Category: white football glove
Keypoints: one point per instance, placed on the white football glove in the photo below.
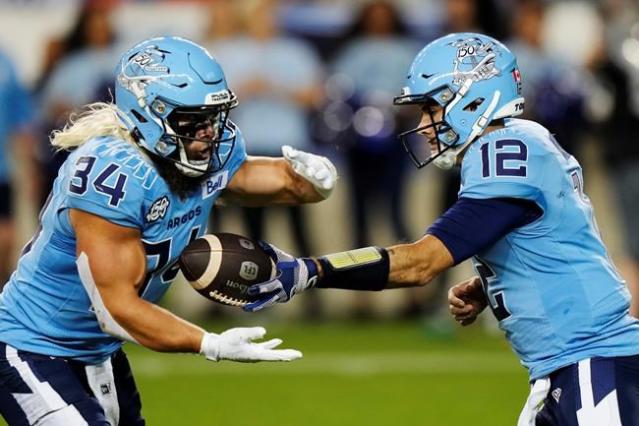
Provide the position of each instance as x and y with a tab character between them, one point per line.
236	344
316	169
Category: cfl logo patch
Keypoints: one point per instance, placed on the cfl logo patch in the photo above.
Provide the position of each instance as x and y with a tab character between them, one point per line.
158	209
249	270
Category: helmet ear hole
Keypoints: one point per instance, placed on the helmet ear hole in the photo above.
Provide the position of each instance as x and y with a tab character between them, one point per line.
139	116
473	105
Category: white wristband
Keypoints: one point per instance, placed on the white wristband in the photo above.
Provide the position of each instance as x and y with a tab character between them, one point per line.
210	346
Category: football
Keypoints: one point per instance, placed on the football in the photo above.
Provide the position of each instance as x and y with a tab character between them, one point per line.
222	267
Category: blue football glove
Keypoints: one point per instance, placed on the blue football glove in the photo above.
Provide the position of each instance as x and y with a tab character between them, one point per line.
294	275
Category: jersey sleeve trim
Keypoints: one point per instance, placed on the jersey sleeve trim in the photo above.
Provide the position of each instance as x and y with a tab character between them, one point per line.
106	213
497	189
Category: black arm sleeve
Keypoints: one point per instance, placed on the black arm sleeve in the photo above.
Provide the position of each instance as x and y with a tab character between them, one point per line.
362	269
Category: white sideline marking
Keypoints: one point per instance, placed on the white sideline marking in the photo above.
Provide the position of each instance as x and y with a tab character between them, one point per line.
338	363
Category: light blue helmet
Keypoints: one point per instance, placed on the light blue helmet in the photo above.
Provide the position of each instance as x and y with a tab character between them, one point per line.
474	78
168	88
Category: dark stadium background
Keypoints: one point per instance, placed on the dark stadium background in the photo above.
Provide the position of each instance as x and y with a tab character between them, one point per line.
391	358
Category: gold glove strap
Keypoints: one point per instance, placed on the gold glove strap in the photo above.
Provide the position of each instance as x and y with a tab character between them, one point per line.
351	258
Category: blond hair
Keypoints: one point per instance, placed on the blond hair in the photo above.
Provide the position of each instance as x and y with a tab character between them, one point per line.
96	119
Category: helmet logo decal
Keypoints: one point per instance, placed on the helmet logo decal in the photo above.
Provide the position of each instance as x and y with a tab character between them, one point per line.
475	60
517	78
146	61
217	97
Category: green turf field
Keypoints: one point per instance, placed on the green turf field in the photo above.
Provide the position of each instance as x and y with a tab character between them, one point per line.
351	374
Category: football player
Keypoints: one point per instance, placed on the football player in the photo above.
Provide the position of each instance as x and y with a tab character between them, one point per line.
138	186
523	218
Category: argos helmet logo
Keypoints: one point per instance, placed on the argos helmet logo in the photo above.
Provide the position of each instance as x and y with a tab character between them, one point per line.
475	59
148	63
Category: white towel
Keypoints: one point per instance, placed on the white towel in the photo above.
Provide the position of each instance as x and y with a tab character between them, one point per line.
538	392
101	382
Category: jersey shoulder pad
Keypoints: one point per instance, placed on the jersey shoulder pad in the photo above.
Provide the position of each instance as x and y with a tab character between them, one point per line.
110	178
504	164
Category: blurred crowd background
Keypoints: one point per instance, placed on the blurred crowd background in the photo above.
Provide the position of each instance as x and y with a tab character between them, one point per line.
320	75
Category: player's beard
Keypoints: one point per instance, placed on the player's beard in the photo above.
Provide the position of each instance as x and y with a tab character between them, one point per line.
178	183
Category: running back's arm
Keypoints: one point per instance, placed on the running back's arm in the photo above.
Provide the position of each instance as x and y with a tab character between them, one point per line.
269	180
117	264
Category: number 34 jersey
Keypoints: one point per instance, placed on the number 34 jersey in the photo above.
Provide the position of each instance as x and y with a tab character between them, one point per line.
550	283
44	308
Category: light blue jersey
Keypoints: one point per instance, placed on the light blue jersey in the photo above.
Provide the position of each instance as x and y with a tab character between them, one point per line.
550	283
45	308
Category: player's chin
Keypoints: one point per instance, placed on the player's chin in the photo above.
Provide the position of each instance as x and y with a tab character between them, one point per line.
201	160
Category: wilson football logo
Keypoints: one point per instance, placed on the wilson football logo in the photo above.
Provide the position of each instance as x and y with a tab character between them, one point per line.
249	270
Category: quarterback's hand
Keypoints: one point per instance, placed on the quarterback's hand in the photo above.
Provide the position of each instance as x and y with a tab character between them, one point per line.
316	169
294	275
467	300
236	344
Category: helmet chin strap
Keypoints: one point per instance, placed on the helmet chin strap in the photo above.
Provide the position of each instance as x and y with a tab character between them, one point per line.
446	160
450	157
192	170
185	167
